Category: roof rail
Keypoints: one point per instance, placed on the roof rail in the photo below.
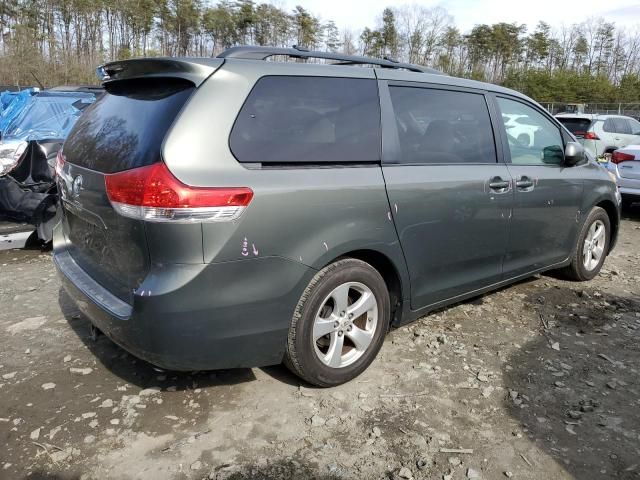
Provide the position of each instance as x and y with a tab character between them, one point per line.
262	53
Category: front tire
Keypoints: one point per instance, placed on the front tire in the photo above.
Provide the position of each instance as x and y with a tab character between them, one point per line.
592	247
339	324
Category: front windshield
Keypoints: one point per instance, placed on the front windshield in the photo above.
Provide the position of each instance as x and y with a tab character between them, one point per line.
48	115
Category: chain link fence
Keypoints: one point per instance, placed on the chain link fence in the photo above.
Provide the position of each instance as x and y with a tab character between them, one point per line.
628	109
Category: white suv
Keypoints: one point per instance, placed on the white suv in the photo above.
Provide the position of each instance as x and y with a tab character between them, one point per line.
602	134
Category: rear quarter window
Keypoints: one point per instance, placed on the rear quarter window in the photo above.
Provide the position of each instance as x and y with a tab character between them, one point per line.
125	128
616	125
308	120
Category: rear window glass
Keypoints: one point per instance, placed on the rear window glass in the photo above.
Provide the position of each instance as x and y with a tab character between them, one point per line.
125	128
577	126
308	120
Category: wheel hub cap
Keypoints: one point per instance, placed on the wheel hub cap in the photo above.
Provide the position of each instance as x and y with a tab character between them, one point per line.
345	324
594	243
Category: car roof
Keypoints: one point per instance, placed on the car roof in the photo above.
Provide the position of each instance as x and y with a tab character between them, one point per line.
381	73
198	69
590	116
385	68
580	116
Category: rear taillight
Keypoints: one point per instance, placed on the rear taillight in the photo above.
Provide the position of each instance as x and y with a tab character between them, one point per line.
152	193
619	157
59	162
591	136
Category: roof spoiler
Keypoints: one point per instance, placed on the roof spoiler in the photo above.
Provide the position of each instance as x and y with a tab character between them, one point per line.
195	70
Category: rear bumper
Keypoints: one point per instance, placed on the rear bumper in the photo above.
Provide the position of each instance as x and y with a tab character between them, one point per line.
196	317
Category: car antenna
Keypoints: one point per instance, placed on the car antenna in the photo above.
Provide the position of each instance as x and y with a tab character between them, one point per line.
39	82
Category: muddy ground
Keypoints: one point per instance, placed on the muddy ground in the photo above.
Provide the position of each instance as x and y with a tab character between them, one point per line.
537	381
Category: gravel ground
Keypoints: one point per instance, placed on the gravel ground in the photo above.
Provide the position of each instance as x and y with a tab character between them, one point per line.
535	381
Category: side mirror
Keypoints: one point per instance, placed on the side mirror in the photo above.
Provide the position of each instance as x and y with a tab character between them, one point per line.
573	154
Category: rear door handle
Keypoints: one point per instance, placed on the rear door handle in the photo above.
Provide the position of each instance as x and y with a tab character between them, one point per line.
524	183
499	185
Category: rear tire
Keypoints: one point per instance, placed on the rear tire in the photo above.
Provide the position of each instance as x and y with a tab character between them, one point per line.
339	324
592	247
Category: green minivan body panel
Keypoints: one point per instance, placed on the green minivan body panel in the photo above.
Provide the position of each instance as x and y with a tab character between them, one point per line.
451	226
308	214
545	220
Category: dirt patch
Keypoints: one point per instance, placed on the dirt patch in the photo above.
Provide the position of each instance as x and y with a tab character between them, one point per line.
538	380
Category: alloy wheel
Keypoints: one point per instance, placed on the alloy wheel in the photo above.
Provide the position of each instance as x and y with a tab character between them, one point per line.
345	324
594	244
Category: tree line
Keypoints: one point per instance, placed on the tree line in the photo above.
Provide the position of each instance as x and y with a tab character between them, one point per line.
62	41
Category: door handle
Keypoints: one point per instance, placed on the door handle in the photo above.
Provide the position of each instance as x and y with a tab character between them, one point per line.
524	183
499	185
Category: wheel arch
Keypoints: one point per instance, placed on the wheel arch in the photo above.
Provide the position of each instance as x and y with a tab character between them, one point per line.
397	286
614	219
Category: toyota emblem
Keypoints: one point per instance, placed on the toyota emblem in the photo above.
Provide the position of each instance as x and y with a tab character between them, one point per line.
76	186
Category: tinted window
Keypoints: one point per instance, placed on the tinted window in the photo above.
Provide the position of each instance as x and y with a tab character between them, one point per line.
622	126
616	125
126	126
635	126
308	120
577	126
608	126
540	143
440	126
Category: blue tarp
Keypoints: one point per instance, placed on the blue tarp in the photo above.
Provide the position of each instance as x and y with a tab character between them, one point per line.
47	115
6	98
12	104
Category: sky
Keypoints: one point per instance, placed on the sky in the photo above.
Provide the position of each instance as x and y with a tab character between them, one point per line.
356	14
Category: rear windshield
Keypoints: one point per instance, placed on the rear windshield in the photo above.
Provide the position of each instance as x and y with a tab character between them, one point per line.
124	129
309	120
577	126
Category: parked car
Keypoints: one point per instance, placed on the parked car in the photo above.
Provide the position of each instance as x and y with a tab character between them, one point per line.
625	165
28	149
235	212
602	134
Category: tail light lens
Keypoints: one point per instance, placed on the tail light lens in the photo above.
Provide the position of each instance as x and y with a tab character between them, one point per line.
619	157
153	194
59	162
591	136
